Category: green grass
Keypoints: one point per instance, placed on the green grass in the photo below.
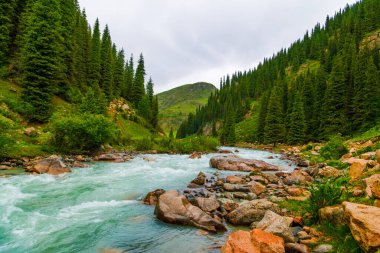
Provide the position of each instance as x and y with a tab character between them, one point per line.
131	131
370	134
176	104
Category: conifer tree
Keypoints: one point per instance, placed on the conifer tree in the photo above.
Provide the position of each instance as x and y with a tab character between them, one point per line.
93	102
138	89
155	111
171	135
214	132
106	63
119	74
94	68
144	108
297	125
41	61
150	90
228	136
274	123
7	14
262	117
129	79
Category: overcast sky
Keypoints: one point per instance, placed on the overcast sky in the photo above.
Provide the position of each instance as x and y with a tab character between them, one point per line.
187	41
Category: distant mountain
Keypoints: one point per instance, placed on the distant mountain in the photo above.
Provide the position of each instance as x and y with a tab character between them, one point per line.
177	103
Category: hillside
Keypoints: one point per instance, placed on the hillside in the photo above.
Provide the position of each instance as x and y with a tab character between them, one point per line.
177	103
324	84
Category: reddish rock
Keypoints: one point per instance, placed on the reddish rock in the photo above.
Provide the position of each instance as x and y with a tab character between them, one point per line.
256	187
298	177
234	180
295	191
357	168
52	165
373	186
196	155
256	241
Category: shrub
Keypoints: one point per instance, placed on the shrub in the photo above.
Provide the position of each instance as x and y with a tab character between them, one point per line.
144	144
6	141
334	149
82	133
326	193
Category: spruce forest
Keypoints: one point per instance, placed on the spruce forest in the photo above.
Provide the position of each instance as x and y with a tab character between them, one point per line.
325	84
48	47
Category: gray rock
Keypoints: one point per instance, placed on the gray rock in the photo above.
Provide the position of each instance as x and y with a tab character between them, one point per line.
323	248
277	225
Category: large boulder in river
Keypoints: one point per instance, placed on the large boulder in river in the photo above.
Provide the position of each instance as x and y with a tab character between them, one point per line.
172	207
255	241
235	163
251	211
52	165
364	223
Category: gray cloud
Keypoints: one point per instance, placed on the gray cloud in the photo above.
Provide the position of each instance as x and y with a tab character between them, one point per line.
185	41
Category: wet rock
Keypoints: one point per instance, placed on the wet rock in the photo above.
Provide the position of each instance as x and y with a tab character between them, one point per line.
277	225
52	165
256	241
207	204
200	179
373	186
296	248
332	214
172	207
195	155
323	248
224	151
235	163
149	159
113	157
152	197
251	211
364	223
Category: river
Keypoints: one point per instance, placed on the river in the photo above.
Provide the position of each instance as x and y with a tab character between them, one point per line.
100	207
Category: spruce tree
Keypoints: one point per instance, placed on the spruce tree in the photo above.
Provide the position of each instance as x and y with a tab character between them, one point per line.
144	108
150	90
262	117
297	124
274	123
7	15
128	80
106	63
41	60
138	89
228	136
155	111
119	74
94	65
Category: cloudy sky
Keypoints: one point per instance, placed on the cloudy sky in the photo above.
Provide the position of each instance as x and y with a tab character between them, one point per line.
186	41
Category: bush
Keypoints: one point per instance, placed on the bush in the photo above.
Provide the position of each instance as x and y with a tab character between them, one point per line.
334	149
6	142
82	133
188	145
144	144
326	193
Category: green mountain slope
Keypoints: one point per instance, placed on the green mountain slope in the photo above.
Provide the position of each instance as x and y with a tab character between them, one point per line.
177	103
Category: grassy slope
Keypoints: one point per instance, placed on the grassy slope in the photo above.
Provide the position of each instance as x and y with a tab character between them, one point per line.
177	103
11	108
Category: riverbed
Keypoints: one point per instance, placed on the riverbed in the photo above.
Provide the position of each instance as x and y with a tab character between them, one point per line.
100	207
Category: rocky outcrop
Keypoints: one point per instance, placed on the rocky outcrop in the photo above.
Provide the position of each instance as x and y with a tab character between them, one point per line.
364	223
255	241
52	165
152	197
277	225
172	207
235	163
251	211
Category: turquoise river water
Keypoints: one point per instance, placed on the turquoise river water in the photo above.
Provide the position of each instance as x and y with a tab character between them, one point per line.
100	207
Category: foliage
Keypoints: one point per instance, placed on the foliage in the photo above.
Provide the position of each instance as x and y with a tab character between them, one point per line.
6	142
328	192
81	133
188	145
334	149
338	164
228	136
144	144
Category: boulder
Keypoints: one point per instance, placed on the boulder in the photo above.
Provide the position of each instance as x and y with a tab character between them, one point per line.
373	186
364	223
377	155
298	177
256	241
323	248
195	155
52	165
172	207
113	157
303	163
296	248
332	214
235	163
251	211
368	155
329	171
200	179
207	204
235	187
152	197
277	225
295	191
234	180
256	188
357	168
